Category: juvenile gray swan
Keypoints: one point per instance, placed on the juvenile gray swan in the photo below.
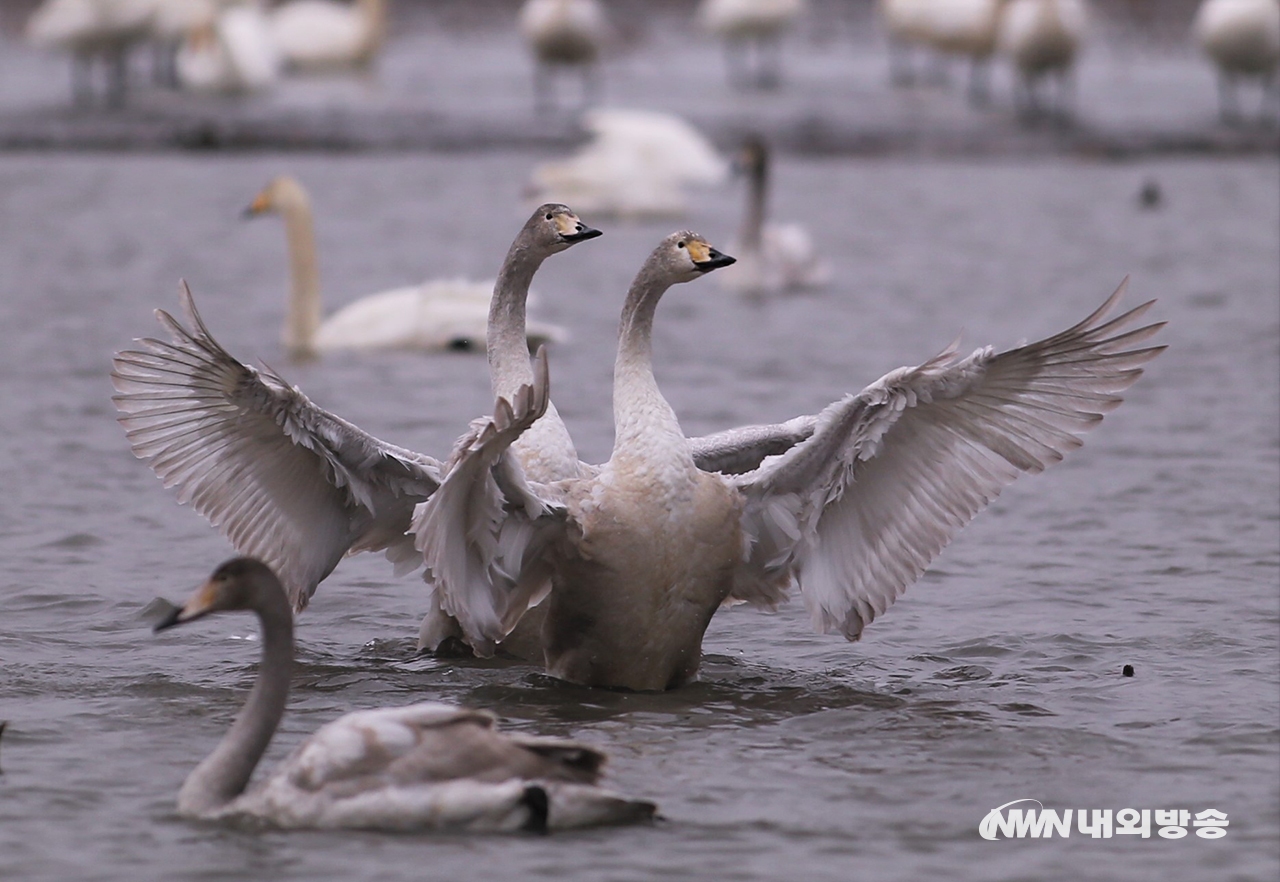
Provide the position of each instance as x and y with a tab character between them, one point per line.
424	766
631	559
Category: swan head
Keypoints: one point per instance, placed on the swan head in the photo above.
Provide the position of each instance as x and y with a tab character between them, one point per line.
281	194
684	256
242	583
554	227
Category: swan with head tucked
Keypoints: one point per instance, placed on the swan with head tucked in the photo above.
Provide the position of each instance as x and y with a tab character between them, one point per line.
328	34
631	560
1242	37
232	52
449	314
422	766
92	30
637	164
752	31
282	479
1041	39
568	36
772	257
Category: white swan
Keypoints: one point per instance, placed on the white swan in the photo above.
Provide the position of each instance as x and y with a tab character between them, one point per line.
631	560
1242	37
637	164
327	34
232	53
564	35
1041	39
103	30
284	480
772	258
750	27
172	23
446	314
423	766
967	28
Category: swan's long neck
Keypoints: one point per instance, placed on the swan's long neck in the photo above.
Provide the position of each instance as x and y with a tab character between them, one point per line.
224	773
373	14
303	314
643	420
509	366
757	194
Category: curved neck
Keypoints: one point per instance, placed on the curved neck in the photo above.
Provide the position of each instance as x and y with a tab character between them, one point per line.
509	366
303	313
640	413
757	192
373	14
224	773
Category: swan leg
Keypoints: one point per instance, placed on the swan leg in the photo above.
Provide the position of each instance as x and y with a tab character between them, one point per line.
980	82
1228	98
768	62
543	87
117	63
735	64
901	70
81	79
592	85
1269	111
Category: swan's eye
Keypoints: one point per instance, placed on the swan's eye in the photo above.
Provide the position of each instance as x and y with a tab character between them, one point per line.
680	244
549	217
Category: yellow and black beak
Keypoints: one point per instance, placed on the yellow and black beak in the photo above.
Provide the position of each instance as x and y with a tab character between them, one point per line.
199	605
705	258
261	204
573	230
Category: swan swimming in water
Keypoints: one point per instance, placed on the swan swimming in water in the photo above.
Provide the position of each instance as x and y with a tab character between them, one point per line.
423	766
437	315
282	479
629	561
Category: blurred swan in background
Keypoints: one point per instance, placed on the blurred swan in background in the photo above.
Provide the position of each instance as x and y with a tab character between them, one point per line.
967	28
435	315
92	30
421	766
234	52
752	32
282	479
328	34
630	561
1041	39
172	23
906	27
1242	37
772	257
637	164
568	36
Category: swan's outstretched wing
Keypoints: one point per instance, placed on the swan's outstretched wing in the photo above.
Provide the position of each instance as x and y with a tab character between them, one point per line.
856	513
482	532
740	450
282	479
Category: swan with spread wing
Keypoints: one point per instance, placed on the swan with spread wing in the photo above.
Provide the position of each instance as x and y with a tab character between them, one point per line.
629	560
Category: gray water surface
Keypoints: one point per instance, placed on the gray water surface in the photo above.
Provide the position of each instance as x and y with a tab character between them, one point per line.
796	756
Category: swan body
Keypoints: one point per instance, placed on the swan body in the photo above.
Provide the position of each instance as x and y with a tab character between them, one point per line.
747	24
431	316
234	53
631	560
1041	39
324	34
1242	37
89	30
282	479
968	28
564	35
424	766
772	258
637	164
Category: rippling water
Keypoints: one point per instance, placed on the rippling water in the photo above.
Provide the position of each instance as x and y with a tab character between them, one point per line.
796	756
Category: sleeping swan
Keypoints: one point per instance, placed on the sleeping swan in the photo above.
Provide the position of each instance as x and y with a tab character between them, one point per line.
282	479
437	315
422	766
631	559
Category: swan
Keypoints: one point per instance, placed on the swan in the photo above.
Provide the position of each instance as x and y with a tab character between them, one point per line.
232	53
90	30
744	24
968	28
630	560
423	766
325	34
438	315
1242	37
637	164
772	258
282	479
565	35
171	24
1041	38
906	25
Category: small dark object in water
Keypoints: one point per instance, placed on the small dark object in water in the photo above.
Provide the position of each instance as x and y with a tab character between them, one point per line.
1127	671
461	344
1150	196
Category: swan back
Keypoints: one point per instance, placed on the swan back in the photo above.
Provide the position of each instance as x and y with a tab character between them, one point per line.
80	25
327	33
1240	35
1042	35
564	31
744	19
